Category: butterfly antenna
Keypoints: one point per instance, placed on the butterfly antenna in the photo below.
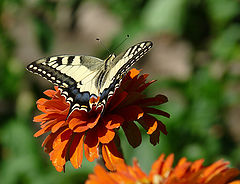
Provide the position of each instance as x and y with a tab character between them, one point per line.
127	36
101	43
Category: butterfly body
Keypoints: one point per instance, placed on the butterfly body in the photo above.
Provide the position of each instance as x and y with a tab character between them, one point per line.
87	81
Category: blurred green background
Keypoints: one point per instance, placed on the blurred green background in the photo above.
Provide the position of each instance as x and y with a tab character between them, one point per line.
195	58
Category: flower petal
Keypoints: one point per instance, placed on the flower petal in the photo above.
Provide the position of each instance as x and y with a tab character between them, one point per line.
131	113
138	170
91	153
182	168
157	100
197	165
50	93
93	121
57	126
56	104
76	150
224	177
91	145
76	122
41	101
112	121
157	166
40	118
133	72
132	133
155	111
45	128
148	123
154	137
118	99
58	154
167	165
101	176
145	85
214	169
105	135
112	156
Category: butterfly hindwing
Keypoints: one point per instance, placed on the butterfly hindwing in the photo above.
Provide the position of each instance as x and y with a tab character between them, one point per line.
81	78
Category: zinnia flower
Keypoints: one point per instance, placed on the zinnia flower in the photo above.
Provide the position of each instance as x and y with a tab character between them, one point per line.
162	172
96	132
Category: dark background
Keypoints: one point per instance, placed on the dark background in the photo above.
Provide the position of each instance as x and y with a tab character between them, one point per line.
195	58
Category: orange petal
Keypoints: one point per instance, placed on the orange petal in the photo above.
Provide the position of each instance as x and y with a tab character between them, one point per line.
42	131
105	135
133	72
41	101
112	121
197	165
76	150
157	166
91	153
50	93
74	122
235	182
91	145
100	177
138	170
48	142
132	133
40	118
62	137
82	128
210	170
167	165
60	145
57	126
181	168
56	105
49	123
93	121
112	156
225	176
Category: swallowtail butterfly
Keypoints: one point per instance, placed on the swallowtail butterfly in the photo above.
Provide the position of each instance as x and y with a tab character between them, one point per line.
87	81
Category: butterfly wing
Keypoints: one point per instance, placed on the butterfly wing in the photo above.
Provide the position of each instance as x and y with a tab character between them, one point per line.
120	66
80	78
74	75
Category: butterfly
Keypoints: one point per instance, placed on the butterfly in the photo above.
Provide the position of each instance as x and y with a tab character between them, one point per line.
87	81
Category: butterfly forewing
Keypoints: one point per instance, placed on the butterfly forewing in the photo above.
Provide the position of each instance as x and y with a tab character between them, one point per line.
74	75
80	78
120	66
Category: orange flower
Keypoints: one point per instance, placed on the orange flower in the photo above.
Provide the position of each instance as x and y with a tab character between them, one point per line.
93	130
162	172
